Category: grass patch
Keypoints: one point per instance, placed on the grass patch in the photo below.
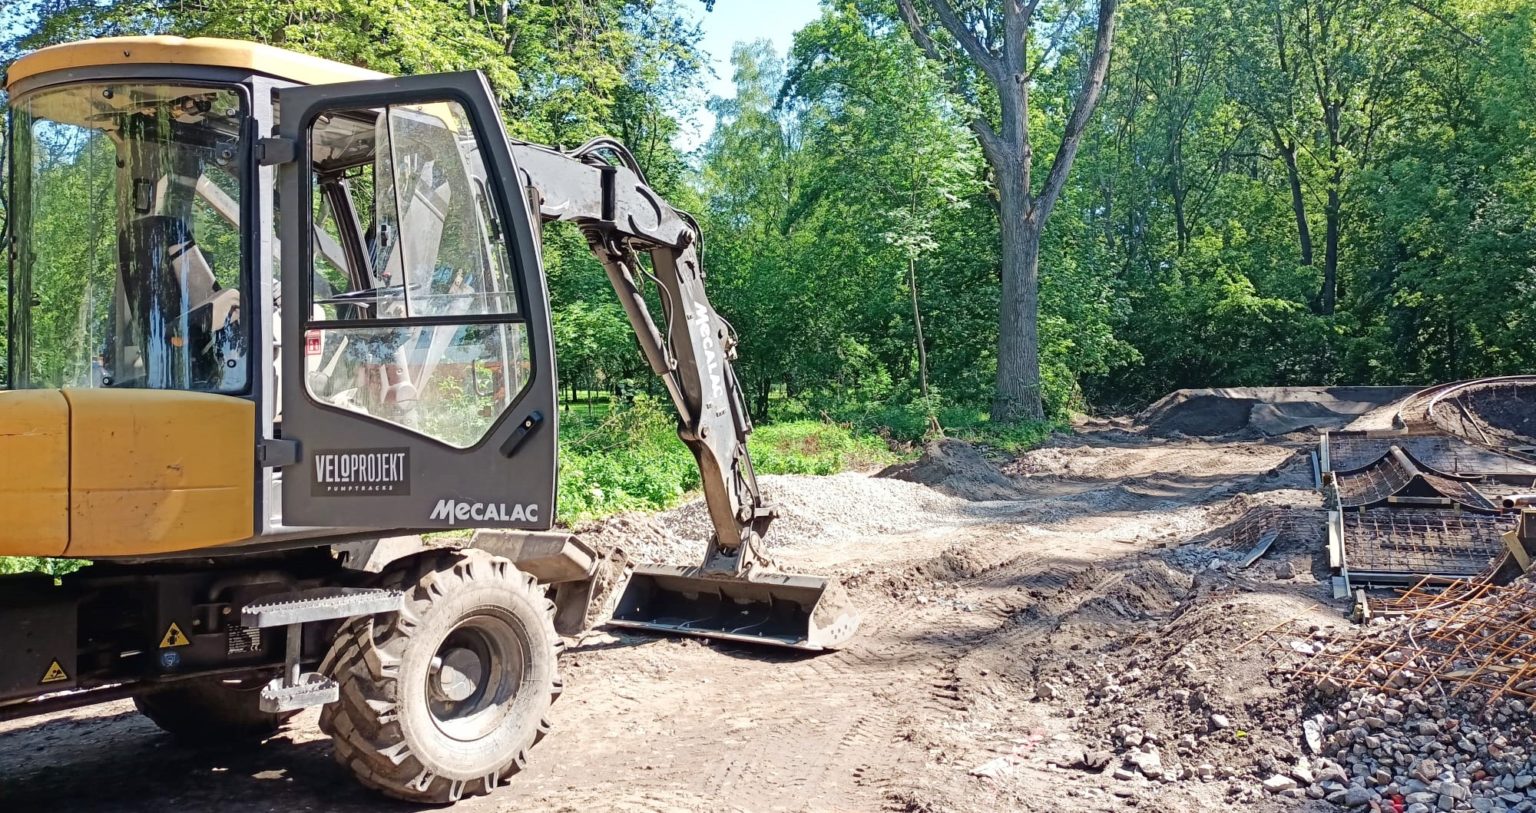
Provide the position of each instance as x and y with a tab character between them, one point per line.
631	459
812	447
976	427
913	423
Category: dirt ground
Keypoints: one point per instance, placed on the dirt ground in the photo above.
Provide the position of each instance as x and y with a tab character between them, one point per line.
1021	650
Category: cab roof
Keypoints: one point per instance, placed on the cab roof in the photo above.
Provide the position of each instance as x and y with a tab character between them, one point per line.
201	51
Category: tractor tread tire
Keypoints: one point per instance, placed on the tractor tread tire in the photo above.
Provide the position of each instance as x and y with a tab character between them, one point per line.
387	745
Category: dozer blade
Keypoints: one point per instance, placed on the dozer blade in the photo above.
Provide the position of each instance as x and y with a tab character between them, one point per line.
780	609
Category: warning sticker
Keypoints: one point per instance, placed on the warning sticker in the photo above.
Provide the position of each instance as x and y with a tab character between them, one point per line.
174	637
54	674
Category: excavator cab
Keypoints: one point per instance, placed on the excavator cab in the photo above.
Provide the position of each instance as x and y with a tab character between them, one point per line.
157	260
280	364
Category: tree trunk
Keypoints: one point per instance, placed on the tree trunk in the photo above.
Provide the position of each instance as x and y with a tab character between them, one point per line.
917	324
1327	299
1018	336
1298	202
764	388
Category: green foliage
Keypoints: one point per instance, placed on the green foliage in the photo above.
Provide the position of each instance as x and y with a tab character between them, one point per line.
812	447
37	564
628	460
632	460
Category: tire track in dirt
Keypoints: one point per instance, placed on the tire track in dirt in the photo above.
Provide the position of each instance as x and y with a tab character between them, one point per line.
961	618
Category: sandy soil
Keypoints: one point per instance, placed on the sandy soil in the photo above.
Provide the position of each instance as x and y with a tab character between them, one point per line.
1011	648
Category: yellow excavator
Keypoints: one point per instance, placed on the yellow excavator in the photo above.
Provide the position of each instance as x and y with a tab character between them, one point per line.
274	321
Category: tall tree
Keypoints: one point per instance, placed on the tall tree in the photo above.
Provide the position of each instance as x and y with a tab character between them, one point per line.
997	50
1324	77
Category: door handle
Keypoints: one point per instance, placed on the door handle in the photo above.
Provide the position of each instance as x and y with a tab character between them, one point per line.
521	434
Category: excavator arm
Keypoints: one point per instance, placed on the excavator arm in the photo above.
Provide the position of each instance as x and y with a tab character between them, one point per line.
735	593
691	350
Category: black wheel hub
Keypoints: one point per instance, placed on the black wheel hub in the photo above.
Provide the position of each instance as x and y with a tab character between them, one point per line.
475	674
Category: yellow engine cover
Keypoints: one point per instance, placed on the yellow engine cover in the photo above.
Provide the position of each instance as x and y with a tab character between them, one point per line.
97	473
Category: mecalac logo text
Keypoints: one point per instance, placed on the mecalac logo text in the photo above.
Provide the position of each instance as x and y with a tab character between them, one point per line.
361	472
457	512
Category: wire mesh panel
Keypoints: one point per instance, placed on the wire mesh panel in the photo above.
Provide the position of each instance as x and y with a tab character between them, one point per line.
1375	483
1440	452
1402	545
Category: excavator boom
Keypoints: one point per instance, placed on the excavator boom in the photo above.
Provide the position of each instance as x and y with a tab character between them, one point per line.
735	593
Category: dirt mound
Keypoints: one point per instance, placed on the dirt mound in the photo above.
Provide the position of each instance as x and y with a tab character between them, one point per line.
1498	412
958	469
644	538
1263	410
1151	591
1199	414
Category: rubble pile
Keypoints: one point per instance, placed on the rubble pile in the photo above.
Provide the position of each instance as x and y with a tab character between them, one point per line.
1473	635
1178	704
1420	752
1427	708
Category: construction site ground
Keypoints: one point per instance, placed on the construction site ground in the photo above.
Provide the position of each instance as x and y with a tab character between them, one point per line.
1034	627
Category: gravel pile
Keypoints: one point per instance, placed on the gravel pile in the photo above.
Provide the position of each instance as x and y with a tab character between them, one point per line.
822	510
1427	710
813	511
1418	753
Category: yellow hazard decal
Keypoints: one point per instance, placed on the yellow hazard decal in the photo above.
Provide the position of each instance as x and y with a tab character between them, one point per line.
174	637
54	674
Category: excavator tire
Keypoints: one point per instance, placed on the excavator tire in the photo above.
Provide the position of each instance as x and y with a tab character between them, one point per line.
445	698
209	710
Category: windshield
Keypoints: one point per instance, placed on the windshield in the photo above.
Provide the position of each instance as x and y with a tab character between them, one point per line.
126	216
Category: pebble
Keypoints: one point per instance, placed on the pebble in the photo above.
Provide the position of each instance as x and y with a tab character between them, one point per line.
1149	763
1312	734
1355	796
1278	783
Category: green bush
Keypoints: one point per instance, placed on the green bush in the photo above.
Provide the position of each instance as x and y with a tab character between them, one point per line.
911	423
629	459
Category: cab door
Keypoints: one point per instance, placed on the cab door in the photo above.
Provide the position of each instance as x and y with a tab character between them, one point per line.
416	368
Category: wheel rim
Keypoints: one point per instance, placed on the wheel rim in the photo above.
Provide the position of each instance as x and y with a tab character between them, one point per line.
473	678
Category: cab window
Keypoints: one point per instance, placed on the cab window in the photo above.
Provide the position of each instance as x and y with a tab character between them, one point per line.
413	313
128	270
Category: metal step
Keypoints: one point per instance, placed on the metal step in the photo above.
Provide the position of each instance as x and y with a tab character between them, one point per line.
312	689
320	604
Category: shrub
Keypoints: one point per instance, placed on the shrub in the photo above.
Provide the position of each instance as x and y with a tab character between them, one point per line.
813	447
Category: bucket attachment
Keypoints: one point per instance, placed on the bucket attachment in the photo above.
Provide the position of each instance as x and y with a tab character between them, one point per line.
802	612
